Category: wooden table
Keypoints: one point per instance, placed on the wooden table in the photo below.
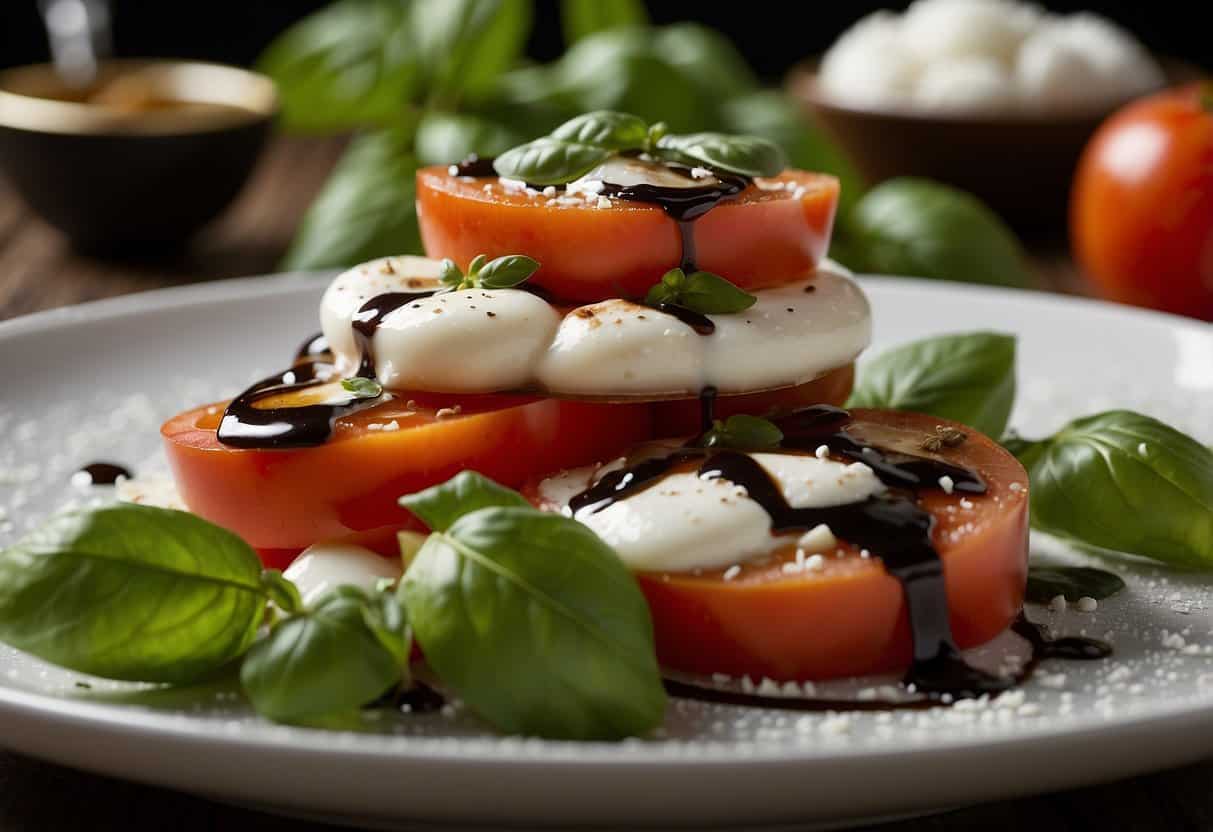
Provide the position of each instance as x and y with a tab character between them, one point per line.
38	271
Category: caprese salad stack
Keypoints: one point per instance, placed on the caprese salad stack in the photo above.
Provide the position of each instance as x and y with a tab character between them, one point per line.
639	330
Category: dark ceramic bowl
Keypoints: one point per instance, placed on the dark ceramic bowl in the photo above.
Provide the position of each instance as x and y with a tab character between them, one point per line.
1019	164
141	173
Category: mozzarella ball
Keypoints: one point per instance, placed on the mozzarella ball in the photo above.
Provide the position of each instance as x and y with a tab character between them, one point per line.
948	29
870	63
971	84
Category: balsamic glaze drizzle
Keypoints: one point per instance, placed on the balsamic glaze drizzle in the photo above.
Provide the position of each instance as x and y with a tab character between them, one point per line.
106	473
683	205
244	425
891	525
314	348
369	317
473	165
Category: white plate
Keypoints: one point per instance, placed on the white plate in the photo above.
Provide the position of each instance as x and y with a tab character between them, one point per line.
93	382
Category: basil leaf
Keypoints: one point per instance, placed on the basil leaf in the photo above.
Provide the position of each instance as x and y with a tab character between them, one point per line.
919	228
711	294
322	663
1124	481
968	378
579	18
605	128
746	155
131	592
449	273
281	591
743	433
549	161
366	208
779	118
537	624
707	58
384	616
1071	582
444	138
351	64
439	506
506	272
363	388
466	44
620	69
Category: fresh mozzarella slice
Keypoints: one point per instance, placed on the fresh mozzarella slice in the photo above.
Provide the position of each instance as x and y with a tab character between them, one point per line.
685	522
789	336
325	566
469	341
482	341
353	288
619	348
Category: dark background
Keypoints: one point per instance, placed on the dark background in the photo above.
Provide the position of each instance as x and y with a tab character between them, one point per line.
772	34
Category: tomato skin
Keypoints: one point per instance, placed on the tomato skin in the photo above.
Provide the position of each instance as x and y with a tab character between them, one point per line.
761	239
1141	211
281	501
850	619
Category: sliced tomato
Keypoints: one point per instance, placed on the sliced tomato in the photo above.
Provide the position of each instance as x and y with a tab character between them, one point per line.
764	237
682	417
281	501
850	618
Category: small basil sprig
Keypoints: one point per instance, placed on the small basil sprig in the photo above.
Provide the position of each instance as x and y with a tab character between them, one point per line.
1047	581
702	292
331	659
133	592
1124	481
579	145
528	615
743	433
501	273
968	378
362	388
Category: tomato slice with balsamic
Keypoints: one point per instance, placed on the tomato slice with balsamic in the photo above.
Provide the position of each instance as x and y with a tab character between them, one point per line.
282	500
773	232
846	614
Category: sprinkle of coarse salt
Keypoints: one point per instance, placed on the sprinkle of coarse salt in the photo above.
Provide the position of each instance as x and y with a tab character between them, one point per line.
1173	641
82	480
817	539
1052	680
768	687
946	483
838	724
747	684
721	678
732	572
966	504
453	170
791	689
1010	699
1058	604
603	202
1016	486
512	184
822	451
700	173
448	412
1087	604
816	563
549	191
1028	709
289	377
589	186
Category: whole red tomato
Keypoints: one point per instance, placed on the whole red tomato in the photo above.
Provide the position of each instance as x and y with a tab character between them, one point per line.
1141	212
